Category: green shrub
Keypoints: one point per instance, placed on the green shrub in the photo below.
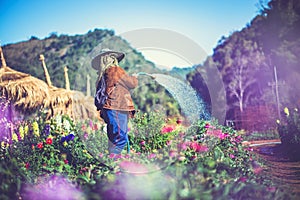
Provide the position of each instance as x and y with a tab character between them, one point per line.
289	127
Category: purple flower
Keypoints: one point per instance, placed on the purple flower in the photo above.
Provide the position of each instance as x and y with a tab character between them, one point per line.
46	130
53	187
85	135
67	138
70	137
91	124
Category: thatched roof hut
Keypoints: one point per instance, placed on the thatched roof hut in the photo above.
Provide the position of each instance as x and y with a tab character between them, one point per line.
67	101
25	91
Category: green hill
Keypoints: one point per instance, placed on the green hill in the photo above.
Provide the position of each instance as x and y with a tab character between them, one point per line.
76	53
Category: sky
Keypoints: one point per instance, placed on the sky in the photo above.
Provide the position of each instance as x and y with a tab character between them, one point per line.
194	25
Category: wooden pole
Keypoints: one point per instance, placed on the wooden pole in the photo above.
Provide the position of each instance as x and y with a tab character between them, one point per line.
67	78
2	58
277	92
88	85
47	76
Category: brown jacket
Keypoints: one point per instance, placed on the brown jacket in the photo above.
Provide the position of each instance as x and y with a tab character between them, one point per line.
118	85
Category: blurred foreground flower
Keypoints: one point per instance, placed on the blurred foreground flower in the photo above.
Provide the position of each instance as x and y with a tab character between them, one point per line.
53	187
133	167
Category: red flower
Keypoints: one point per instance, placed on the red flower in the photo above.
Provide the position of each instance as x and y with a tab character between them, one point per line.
178	121
95	128
49	141
40	145
27	165
66	161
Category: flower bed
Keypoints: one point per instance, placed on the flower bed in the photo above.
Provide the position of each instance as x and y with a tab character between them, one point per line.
62	159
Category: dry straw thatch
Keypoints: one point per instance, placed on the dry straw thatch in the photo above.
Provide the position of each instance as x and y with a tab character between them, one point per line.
28	94
25	91
67	101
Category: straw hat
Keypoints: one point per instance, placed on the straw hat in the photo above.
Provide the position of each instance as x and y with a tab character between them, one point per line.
96	60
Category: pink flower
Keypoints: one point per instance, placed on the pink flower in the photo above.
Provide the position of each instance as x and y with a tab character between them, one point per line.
167	129
183	146
207	125
257	170
198	147
242	179
118	173
169	142
173	153
85	135
231	156
142	142
127	156
152	155
112	155
91	124
101	155
249	149
222	136
271	189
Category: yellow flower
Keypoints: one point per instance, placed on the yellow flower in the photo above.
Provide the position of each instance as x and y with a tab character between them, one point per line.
278	121
64	156
35	128
21	131
84	151
4	144
26	129
65	143
286	111
15	137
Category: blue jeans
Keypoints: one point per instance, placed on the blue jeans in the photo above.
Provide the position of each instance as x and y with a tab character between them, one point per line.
117	126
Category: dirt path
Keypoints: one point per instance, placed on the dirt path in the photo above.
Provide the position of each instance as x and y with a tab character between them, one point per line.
281	168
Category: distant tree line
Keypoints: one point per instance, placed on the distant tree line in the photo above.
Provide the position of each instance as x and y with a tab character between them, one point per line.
248	60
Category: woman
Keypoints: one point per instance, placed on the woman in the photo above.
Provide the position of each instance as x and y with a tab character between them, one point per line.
119	105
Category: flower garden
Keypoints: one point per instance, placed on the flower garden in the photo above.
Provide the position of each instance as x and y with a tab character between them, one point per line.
63	159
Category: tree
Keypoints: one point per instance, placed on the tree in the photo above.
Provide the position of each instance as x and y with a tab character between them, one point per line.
241	62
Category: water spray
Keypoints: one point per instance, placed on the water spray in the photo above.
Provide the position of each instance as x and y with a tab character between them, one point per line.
146	74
